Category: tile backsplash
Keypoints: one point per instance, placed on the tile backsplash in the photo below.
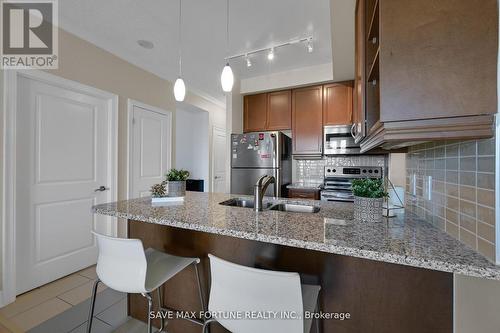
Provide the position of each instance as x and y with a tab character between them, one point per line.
312	171
461	192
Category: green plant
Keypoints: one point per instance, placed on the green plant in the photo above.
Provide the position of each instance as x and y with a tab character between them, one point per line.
175	175
369	188
158	191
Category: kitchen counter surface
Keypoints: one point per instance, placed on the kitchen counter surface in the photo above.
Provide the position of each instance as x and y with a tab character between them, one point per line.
404	240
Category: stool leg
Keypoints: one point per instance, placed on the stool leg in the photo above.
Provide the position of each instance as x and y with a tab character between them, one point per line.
92	304
160	307
317	320
206	325
150	308
200	289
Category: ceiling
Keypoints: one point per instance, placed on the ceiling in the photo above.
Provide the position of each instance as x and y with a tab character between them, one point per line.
117	25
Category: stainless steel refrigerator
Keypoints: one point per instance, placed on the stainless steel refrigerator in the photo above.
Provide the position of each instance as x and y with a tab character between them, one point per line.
257	154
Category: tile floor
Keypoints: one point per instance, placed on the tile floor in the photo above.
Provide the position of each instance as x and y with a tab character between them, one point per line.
62	306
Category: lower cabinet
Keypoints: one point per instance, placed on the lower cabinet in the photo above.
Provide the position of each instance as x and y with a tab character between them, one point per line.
304	194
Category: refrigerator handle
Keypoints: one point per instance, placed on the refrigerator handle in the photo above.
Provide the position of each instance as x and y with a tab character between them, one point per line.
275	149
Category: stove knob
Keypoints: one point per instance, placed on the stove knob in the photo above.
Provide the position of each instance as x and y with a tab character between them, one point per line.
376	171
370	171
364	170
334	170
328	170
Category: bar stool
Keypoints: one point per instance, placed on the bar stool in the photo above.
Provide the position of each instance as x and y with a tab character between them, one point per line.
124	265
240	289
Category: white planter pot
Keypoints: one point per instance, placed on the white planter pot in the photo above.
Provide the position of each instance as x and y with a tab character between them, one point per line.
368	209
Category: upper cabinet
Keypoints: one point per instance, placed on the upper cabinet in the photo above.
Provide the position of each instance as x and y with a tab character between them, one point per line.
429	70
254	112
279	110
267	111
307	120
337	107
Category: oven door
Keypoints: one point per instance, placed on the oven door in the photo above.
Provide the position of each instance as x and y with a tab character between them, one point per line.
337	196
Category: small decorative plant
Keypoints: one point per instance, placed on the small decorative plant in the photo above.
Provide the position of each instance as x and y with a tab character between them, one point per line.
175	175
158	191
368	188
369	196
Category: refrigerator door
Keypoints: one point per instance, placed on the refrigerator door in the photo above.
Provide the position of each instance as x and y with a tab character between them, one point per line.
243	180
255	150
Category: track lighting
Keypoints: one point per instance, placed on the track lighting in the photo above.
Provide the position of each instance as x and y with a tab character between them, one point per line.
270	55
249	62
310	47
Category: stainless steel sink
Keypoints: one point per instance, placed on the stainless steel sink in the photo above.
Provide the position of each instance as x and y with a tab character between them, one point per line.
243	202
295	208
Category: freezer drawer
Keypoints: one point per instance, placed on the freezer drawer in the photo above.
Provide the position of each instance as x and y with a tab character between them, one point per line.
243	180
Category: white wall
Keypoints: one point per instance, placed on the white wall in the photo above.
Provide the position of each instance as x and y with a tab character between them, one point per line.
287	79
192	142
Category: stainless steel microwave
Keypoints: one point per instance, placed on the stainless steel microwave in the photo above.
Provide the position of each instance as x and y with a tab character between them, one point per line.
338	140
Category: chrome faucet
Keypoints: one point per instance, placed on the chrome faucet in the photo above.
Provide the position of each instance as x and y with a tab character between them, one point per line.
260	189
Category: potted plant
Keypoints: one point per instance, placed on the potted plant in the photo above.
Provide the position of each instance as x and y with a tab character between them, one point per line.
369	196
175	182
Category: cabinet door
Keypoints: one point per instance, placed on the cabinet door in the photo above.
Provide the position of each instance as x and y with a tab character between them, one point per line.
359	115
307	120
255	112
337	108
279	110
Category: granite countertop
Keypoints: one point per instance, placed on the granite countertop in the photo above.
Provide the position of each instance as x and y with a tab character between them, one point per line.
305	186
405	239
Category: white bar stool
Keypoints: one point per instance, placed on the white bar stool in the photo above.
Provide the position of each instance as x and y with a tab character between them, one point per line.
240	289
124	265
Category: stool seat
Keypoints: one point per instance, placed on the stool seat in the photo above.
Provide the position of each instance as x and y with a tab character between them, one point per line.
124	265
162	266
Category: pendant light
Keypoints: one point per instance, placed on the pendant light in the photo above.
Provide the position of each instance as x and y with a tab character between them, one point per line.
179	86
227	77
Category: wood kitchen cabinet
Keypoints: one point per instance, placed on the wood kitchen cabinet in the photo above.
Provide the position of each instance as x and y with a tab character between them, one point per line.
307	121
429	70
255	112
337	107
268	111
279	110
304	194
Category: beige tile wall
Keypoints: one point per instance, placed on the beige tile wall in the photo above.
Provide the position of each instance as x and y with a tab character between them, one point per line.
463	197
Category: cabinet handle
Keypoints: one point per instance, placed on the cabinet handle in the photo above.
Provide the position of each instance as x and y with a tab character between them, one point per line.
352	130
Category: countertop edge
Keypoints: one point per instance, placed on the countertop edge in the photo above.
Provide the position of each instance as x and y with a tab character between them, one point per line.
334	249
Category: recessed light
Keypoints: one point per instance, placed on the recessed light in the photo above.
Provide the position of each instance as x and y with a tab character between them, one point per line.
145	44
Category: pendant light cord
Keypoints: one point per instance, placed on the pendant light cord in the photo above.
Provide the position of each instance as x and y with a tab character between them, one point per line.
179	38
227	29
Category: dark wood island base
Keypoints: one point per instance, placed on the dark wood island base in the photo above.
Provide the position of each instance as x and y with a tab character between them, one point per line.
380	297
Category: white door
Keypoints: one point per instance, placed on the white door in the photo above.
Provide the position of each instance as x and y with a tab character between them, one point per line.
65	152
219	160
150	145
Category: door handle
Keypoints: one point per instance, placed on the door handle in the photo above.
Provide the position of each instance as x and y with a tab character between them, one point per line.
101	189
352	131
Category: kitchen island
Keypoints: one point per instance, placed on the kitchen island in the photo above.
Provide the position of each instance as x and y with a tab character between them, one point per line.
394	276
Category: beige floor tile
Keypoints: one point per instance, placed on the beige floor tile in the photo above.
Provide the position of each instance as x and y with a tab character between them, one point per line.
37	296
88	272
132	325
40	313
7	326
80	294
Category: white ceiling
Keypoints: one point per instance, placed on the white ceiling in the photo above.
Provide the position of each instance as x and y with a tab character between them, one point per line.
116	25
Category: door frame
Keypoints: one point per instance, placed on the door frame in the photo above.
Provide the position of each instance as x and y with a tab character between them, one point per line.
130	138
8	217
212	157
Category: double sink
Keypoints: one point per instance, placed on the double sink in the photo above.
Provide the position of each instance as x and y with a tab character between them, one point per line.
282	207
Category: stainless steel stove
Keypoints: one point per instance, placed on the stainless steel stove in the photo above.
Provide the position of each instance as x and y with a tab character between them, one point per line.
338	181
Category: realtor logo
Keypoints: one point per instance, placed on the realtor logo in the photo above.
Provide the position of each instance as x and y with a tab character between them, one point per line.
29	34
